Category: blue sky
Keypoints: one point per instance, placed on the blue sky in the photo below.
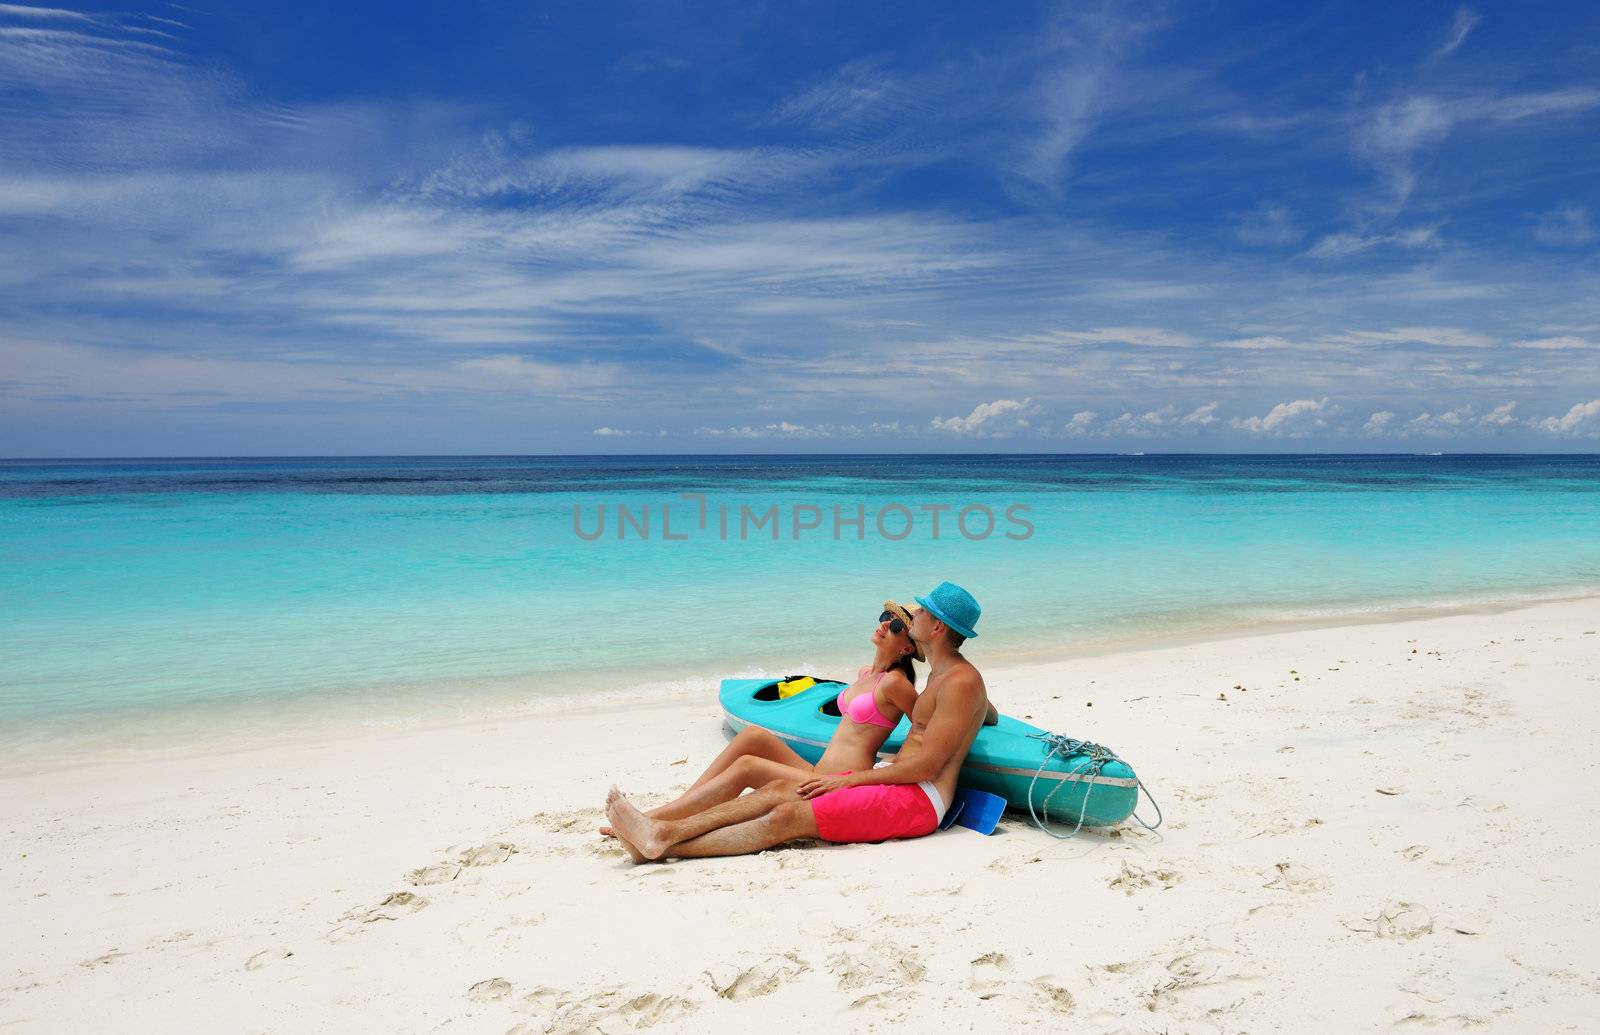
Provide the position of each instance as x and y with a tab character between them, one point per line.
592	227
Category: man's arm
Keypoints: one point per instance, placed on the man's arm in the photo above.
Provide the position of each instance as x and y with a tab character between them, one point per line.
991	717
948	729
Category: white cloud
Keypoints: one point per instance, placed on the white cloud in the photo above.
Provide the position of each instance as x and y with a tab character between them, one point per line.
982	415
1518	106
1444	337
1074	90
1164	420
1263	341
1378	422
1460	26
1268	225
1582	419
1287	418
1557	343
1344	245
780	429
788	429
512	373
1390	136
1500	416
42	13
1441	424
1565	227
1152	337
1393	132
858	95
1081	422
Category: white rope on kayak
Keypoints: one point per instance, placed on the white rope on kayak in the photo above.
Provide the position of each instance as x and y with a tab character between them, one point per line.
1095	758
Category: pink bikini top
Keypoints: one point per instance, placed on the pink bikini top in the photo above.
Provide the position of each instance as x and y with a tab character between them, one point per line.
863	707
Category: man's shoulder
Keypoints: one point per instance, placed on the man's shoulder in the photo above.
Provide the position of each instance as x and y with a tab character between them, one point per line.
962	680
968	675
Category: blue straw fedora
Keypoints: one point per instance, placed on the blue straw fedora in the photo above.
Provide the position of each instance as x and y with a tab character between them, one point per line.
953	606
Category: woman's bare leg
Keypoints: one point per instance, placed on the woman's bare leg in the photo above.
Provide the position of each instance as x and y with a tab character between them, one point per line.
744	774
752	740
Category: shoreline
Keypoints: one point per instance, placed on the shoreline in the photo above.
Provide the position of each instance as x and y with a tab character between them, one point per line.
301	718
1348	818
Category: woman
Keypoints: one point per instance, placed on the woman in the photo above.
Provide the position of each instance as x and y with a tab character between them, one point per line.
869	708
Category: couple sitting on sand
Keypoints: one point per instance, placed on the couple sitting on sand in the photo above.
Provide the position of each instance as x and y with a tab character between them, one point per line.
844	797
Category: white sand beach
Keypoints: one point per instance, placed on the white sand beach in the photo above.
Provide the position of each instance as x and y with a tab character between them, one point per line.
1375	826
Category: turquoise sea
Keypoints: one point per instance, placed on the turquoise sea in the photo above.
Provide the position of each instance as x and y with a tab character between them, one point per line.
226	591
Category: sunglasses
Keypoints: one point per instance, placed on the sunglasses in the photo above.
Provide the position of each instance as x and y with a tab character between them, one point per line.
897	625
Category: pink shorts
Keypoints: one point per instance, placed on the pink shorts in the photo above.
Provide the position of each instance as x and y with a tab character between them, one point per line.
875	812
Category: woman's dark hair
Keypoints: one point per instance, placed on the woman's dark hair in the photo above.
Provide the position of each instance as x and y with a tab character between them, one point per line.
905	667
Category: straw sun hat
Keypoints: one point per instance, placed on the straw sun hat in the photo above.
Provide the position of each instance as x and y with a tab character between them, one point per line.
904	614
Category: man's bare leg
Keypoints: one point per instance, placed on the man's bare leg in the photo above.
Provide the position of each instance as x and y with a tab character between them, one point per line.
788	822
652	838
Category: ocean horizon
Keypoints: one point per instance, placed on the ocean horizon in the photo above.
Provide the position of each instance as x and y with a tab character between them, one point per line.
218	591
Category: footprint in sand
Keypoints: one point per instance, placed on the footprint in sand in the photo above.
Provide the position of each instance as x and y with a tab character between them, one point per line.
580	1013
1290	876
1403	921
1053	996
489	990
884	963
1205	979
266	958
491	854
1429	985
989	974
1133	878
763	978
438	873
398	904
585	820
1196	982
102	960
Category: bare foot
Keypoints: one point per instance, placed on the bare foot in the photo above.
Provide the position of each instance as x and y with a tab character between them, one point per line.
633	853
612	795
635	829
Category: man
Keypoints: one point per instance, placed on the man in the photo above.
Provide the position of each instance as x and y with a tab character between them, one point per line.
906	797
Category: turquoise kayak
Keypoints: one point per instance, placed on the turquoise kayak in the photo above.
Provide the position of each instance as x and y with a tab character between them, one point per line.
1009	759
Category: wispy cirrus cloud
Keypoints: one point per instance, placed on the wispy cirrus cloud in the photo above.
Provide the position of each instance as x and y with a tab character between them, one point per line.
1465	20
1345	245
1566	227
860	97
1076	81
1268	225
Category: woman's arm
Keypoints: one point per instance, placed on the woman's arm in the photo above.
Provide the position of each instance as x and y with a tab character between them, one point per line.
898	691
